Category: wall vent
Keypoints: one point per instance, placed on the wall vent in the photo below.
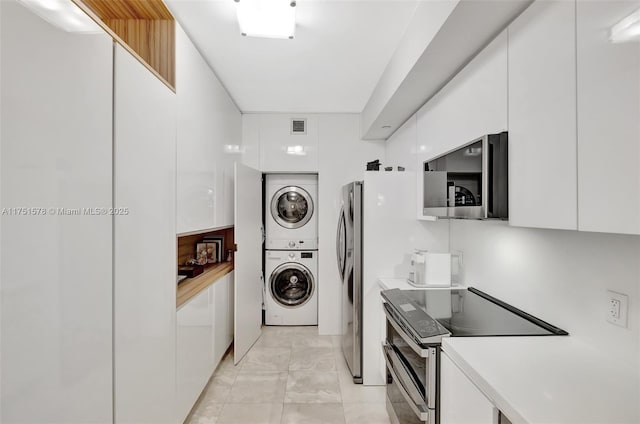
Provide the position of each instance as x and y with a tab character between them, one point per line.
298	126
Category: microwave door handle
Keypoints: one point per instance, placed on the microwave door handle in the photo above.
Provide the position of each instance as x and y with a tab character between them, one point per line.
490	199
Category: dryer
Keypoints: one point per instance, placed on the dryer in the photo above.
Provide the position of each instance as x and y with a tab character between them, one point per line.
291	287
291	220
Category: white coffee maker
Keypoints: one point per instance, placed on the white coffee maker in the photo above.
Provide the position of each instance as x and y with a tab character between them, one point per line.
430	269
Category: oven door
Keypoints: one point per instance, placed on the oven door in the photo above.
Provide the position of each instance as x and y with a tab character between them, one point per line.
411	376
405	400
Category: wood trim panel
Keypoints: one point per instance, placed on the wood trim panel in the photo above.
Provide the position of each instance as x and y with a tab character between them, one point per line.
150	41
130	9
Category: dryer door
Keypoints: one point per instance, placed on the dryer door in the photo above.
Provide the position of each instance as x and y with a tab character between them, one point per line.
291	207
291	285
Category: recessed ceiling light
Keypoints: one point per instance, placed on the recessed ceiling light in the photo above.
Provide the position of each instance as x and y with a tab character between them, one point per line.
266	18
627	29
63	14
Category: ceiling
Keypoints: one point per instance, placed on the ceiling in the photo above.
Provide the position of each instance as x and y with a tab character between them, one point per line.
339	52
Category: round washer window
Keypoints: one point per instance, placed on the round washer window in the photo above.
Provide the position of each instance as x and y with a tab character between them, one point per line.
291	285
292	207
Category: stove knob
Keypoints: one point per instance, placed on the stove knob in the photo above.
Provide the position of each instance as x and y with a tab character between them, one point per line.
292	244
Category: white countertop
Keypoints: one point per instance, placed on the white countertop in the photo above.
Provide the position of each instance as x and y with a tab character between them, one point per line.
403	284
550	379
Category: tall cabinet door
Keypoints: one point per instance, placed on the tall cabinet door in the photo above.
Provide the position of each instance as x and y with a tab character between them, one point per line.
144	244
608	120
248	286
542	117
55	281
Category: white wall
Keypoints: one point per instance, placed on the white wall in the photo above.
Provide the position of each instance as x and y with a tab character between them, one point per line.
340	157
559	276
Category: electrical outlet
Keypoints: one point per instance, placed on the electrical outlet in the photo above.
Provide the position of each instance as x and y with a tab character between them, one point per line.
617	308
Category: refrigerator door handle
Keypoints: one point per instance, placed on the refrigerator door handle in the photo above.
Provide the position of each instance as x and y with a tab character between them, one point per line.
357	280
341	240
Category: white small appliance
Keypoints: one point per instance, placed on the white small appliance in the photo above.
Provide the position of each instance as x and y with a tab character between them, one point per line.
291	296
430	269
291	220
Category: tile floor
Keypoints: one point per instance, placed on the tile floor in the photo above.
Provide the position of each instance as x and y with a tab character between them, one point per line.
290	376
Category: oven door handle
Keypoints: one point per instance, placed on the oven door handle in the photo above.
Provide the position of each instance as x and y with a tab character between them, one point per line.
404	333
405	384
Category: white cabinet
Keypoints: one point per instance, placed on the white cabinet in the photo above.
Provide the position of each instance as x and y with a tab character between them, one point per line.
461	402
204	333
221	299
542	117
195	359
209	133
144	244
472	104
56	272
608	116
283	151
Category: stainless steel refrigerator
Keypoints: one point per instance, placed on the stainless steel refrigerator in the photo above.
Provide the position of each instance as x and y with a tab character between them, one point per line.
349	253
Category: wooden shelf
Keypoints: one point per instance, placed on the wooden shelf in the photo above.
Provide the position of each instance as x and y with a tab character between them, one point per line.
190	287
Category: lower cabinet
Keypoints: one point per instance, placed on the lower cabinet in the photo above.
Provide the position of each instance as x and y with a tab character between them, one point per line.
204	333
461	402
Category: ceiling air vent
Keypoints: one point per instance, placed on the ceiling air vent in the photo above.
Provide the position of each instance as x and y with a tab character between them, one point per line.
298	126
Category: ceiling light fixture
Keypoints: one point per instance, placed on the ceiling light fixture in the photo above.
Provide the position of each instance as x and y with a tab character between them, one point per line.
267	18
63	14
627	29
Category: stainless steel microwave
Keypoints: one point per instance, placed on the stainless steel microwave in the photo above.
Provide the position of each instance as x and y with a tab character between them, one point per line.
469	182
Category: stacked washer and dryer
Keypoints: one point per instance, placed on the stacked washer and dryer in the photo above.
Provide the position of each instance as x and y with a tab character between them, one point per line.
291	249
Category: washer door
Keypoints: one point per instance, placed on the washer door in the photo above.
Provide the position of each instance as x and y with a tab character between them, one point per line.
291	207
291	285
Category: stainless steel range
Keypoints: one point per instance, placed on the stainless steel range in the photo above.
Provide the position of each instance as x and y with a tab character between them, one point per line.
418	320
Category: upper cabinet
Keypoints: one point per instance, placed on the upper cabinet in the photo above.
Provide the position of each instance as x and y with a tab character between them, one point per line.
574	103
608	120
472	104
209	134
542	117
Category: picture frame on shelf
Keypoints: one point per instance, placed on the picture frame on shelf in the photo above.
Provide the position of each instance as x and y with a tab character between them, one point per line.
219	242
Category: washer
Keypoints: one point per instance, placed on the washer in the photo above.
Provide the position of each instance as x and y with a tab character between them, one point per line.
291	296
291	212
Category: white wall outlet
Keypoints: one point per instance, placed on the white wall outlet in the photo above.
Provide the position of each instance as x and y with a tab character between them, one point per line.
617	308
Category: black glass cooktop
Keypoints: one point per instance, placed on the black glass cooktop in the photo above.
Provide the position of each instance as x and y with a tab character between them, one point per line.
430	314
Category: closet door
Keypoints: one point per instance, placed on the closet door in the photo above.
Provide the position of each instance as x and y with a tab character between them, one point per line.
56	264
145	244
